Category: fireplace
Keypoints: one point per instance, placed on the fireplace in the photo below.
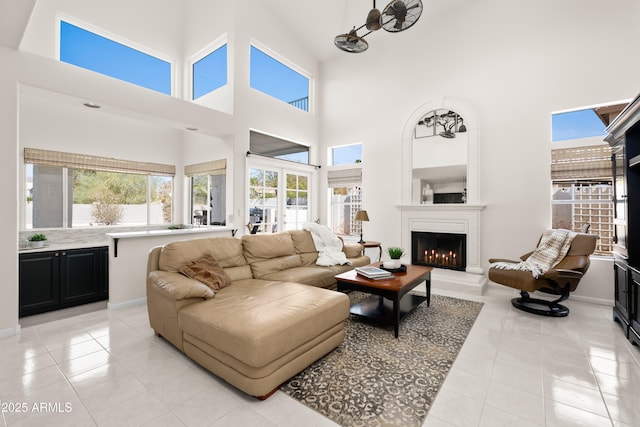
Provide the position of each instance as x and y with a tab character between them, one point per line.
442	250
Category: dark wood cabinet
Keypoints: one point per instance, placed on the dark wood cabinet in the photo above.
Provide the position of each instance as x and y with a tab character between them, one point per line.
624	138
52	280
634	310
621	294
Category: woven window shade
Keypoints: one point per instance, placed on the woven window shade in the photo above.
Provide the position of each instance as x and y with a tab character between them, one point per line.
84	161
591	162
216	167
344	176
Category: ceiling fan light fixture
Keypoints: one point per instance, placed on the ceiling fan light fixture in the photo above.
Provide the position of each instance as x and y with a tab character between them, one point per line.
351	42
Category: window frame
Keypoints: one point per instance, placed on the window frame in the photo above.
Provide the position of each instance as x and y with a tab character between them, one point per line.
60	17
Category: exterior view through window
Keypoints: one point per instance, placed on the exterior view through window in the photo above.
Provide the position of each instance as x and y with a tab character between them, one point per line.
102	55
269	210
581	173
278	80
210	72
64	197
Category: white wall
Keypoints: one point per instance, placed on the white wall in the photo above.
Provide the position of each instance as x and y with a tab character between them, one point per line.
514	63
137	123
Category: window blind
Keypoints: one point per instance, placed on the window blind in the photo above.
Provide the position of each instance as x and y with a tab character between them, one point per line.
590	162
215	167
85	161
344	176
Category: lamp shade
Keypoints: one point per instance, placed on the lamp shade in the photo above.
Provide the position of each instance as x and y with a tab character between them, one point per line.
362	216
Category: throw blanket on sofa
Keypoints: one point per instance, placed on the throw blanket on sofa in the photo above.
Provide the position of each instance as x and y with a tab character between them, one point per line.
553	246
329	246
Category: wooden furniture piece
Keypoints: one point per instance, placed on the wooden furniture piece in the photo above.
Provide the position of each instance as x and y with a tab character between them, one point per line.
389	301
624	138
51	280
372	244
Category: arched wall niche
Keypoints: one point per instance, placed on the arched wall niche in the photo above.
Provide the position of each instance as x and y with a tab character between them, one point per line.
471	123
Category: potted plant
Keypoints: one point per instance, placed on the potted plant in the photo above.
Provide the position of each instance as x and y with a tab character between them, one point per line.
37	240
395	253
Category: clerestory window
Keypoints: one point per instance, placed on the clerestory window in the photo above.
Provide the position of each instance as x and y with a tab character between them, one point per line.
103	55
273	77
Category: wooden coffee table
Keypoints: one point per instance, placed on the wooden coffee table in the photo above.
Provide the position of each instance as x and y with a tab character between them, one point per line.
389	301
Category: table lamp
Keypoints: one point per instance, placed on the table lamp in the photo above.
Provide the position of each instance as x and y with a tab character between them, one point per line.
361	216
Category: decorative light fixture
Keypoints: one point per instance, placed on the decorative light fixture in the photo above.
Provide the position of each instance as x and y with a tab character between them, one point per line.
445	123
397	16
361	216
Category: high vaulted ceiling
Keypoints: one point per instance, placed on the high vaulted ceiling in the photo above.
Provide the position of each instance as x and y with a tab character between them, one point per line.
313	23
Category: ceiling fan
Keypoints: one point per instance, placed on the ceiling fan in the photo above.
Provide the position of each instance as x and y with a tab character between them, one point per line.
397	16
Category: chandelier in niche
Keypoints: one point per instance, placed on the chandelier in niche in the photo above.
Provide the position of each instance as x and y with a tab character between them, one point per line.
397	16
444	123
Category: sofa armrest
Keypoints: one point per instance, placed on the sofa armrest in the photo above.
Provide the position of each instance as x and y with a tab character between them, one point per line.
352	250
178	286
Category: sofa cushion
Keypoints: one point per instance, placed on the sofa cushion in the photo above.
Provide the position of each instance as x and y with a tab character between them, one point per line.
260	247
304	246
226	250
178	286
268	253
268	266
206	270
308	274
257	322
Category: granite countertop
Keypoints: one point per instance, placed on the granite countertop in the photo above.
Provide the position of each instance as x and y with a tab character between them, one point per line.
164	232
63	246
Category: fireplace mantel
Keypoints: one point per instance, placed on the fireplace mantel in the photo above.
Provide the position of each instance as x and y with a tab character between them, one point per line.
444	207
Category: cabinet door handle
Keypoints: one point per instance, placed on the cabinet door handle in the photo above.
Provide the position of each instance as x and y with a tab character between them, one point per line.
64	253
56	254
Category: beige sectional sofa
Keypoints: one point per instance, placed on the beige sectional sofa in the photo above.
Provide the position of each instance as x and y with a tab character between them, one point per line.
278	315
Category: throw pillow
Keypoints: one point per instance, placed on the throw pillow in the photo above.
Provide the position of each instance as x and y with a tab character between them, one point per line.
207	270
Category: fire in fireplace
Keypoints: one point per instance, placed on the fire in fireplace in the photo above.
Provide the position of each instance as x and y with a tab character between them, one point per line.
442	250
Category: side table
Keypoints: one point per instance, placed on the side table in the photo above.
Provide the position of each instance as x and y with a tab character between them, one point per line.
372	244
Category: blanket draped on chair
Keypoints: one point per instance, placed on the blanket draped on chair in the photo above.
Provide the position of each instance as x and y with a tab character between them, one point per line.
553	246
329	246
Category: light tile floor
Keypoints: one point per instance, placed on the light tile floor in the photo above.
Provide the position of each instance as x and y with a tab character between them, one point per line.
107	368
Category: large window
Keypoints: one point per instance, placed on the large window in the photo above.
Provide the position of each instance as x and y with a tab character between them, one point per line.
274	78
263	199
105	56
209	73
269	210
67	190
581	172
296	210
208	190
582	191
345	195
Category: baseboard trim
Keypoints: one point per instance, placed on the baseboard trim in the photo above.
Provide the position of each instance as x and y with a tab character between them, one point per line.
126	304
10	331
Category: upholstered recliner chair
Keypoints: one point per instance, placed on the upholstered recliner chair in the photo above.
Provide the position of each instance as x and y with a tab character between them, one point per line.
560	280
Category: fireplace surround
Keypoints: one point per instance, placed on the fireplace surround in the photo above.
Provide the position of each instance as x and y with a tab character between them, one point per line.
461	219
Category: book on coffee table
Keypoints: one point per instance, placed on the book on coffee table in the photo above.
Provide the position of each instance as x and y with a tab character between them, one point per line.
373	273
